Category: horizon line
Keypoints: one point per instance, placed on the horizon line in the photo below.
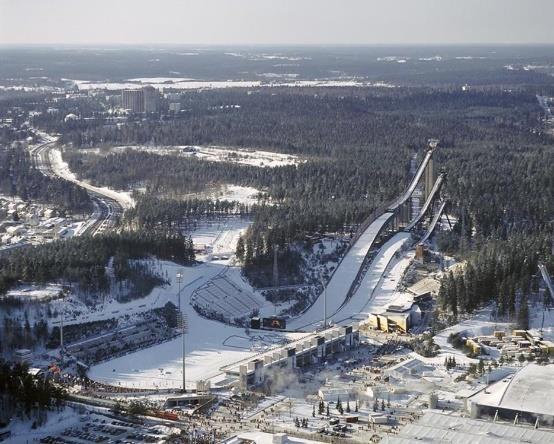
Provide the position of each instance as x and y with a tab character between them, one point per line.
367	45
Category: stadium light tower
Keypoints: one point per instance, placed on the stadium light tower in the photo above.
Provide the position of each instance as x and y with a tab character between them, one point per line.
324	299
62	310
182	325
179	277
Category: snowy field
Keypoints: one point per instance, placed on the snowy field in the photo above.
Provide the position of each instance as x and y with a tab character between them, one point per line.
32	292
184	84
536	321
214	153
219	237
61	169
209	344
257	158
236	193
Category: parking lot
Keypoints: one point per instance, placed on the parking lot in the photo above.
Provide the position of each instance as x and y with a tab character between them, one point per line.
98	428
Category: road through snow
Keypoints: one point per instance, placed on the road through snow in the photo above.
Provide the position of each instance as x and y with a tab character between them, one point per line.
61	169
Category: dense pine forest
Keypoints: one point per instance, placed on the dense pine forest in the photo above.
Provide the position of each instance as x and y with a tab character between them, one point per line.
83	260
26	394
504	272
357	145
354	147
19	177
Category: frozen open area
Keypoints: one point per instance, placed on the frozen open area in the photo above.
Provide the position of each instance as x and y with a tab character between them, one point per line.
218	238
216	153
237	193
33	292
209	344
185	84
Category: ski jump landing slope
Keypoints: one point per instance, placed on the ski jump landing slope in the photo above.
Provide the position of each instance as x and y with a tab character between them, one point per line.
362	302
342	278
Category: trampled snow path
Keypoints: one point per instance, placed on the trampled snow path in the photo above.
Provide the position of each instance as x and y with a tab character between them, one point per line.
342	278
209	344
61	169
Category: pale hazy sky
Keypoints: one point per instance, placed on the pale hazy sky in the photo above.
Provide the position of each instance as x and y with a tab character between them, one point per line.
277	21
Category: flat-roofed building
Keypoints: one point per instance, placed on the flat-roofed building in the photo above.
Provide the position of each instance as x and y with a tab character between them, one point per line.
440	428
132	100
529	394
151	98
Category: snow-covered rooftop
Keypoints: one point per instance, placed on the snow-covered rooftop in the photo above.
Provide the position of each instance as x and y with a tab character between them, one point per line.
440	428
529	390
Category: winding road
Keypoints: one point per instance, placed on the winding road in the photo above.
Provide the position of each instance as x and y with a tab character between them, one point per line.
108	206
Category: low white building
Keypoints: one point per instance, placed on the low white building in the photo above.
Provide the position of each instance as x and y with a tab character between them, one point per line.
409	368
16	230
332	394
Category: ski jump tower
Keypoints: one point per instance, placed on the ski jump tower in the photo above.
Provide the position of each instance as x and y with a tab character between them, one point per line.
425	174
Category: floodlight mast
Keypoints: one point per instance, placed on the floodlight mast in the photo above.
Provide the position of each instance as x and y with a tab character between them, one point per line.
324	299
184	334
179	277
182	325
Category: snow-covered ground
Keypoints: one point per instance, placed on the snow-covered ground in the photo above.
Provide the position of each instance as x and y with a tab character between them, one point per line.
219	237
537	322
480	324
243	195
61	169
230	193
209	344
259	158
28	292
342	278
183	84
215	153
